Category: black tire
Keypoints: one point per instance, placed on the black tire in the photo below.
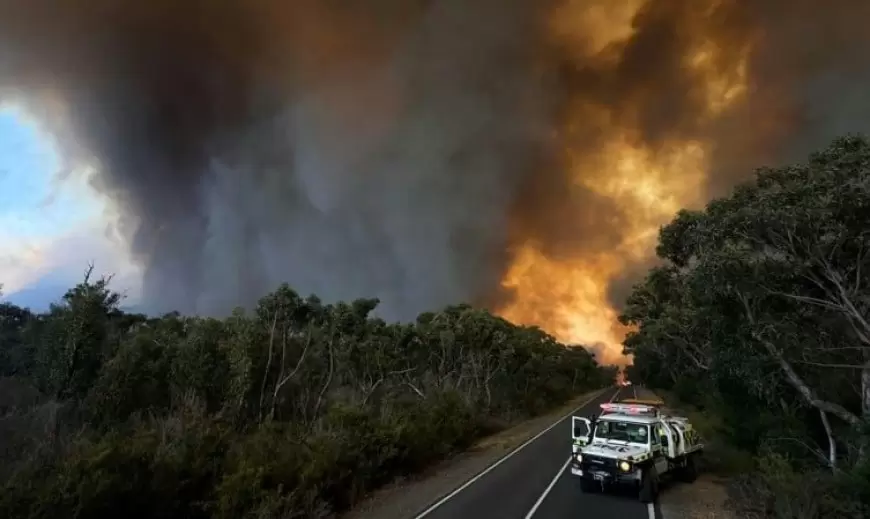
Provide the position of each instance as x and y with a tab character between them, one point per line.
588	486
689	472
649	485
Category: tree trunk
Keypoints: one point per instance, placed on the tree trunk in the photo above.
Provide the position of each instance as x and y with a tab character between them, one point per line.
865	404
865	387
832	444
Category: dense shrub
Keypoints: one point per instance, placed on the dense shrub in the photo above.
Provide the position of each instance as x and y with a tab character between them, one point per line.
296	409
757	314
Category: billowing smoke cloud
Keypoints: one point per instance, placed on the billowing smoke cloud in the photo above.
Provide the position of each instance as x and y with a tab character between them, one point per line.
411	150
807	80
370	150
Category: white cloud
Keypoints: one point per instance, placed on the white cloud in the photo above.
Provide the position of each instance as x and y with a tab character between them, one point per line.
21	262
65	258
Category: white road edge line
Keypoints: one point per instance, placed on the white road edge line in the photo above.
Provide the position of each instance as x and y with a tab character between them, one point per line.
509	455
548	489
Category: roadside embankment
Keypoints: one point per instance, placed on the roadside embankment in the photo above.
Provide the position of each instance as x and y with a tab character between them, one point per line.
404	498
708	497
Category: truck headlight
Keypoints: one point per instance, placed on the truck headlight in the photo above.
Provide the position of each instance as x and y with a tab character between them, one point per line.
578	457
624	466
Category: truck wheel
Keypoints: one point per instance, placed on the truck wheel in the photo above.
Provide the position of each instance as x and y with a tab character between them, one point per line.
649	485
588	486
689	472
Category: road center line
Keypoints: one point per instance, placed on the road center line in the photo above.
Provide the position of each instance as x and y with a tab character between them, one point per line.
548	489
651	510
509	455
558	475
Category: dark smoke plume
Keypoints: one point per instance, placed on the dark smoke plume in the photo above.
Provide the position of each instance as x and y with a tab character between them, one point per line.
394	148
370	150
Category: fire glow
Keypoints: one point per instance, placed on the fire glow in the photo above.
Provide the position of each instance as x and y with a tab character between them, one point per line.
568	297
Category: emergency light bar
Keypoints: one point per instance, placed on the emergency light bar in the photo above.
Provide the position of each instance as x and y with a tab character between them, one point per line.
654	402
629	409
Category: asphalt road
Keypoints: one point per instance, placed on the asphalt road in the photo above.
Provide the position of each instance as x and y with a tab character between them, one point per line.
533	481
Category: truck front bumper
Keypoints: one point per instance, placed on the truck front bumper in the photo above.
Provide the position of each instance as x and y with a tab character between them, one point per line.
604	475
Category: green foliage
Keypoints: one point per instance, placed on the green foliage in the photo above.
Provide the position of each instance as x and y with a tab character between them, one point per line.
758	314
161	468
73	339
15	356
782	490
296	409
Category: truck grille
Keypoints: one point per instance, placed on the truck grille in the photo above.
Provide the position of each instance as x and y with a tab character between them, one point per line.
599	463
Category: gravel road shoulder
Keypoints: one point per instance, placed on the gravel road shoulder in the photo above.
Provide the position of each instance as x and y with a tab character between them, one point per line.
707	497
402	499
704	499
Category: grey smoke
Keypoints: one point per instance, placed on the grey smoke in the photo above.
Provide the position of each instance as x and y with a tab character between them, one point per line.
384	167
391	148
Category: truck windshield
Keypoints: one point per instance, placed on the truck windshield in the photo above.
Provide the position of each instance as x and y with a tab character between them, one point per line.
622	431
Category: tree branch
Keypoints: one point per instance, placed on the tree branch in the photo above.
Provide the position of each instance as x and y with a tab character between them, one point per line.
328	382
268	365
810	300
818	453
415	389
832	445
792	376
825	365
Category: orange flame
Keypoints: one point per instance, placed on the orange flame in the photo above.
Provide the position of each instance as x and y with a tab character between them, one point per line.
568	297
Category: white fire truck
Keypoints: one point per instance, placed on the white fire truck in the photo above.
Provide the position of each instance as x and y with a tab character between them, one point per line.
633	443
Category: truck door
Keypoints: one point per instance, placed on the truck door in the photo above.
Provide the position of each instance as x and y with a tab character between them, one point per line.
581	430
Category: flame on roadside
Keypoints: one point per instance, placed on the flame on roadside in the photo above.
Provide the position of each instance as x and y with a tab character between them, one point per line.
568	297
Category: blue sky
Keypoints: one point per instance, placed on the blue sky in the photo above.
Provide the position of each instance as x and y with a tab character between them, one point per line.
51	226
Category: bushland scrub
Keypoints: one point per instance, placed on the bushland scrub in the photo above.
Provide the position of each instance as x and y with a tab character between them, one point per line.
757	317
296	409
